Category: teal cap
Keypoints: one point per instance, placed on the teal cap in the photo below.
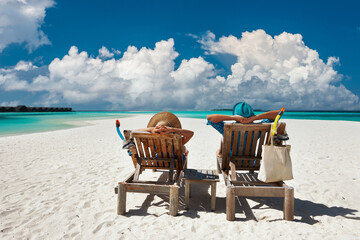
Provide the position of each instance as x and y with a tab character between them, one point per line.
243	109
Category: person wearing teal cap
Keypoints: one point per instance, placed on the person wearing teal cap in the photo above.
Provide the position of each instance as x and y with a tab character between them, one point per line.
242	113
243	109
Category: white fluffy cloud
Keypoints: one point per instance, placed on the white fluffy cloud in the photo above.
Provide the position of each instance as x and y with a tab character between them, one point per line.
20	21
269	73
140	79
280	71
105	53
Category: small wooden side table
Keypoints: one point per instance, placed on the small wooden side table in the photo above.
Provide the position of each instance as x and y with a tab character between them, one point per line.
200	176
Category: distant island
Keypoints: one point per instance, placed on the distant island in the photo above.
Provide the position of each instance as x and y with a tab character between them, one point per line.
262	110
23	108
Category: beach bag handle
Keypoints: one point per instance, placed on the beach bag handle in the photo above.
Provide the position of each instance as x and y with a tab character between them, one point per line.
276	162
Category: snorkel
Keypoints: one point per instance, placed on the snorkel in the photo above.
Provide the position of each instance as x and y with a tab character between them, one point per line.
277	119
118	129
126	144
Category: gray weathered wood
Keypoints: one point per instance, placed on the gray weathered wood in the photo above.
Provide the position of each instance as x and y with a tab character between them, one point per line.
230	203
148	188
213	196
137	171
289	204
174	200
233	171
187	193
259	191
121	208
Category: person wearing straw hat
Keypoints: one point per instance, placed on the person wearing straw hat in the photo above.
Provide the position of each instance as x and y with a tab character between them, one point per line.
165	123
242	113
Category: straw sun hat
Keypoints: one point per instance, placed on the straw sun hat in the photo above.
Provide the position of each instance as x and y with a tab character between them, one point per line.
164	118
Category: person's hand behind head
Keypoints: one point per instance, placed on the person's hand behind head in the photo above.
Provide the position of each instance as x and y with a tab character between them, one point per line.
238	118
161	129
246	120
241	119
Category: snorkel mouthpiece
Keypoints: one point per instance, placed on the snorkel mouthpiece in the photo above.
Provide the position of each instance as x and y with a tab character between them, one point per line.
273	131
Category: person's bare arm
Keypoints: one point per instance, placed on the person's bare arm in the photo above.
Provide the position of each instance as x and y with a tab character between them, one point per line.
187	134
216	118
149	129
271	115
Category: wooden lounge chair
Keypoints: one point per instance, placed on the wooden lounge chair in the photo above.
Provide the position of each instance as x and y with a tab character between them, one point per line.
241	157
157	152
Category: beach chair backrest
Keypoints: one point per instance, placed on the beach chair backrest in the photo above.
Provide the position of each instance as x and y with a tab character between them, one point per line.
155	151
242	145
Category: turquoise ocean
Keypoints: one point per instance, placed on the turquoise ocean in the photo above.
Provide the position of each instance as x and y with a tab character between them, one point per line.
13	123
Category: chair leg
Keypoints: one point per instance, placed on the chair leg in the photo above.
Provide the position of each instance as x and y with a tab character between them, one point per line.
218	166
213	196
289	204
187	194
230	204
174	200
121	207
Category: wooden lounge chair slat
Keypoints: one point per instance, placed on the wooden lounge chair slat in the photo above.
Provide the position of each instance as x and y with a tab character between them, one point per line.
234	147
233	170
137	171
178	153
163	150
139	147
259	150
239	158
248	127
167	160
253	147
152	135
158	151
241	147
169	149
227	146
245	168
260	191
146	146
253	183
154	182
133	149
267	141
147	188
181	163
152	149
249	138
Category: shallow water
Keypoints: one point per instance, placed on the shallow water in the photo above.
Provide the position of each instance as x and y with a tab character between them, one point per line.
19	123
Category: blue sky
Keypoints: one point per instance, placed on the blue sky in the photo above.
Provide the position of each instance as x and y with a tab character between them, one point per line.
180	55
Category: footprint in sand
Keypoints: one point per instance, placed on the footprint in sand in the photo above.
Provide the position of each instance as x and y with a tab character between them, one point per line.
74	234
7	212
100	214
87	204
71	226
99	227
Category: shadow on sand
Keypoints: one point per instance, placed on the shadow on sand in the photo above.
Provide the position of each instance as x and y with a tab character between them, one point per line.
201	202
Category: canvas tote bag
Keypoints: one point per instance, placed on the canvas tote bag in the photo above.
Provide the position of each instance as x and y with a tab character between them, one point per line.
276	162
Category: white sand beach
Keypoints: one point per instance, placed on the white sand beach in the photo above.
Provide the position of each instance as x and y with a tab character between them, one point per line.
60	185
